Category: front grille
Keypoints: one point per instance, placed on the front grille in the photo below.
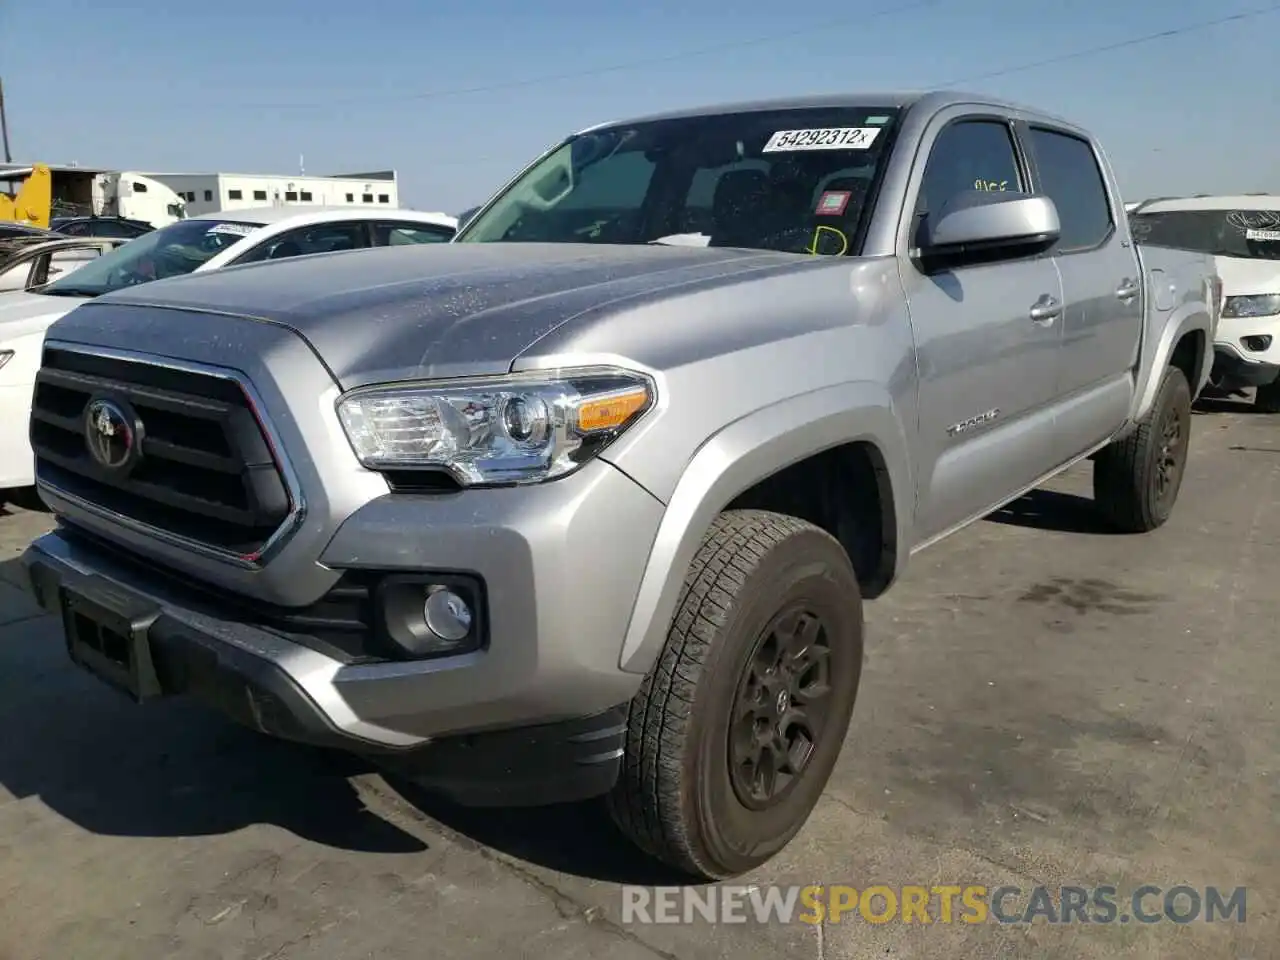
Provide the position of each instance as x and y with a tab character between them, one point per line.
204	469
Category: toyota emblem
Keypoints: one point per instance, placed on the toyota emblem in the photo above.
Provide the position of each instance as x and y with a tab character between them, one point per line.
112	433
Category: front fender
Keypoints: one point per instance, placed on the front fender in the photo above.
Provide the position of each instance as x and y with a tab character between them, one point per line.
740	455
1189	317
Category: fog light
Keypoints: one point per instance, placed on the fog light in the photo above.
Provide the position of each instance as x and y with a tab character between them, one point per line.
423	615
448	616
1257	343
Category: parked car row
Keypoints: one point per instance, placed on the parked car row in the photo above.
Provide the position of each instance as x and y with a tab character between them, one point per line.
586	501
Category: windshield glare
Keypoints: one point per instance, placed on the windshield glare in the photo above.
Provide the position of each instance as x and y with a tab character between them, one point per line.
171	251
1244	234
795	181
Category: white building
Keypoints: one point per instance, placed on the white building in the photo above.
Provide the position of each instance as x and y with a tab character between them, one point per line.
207	192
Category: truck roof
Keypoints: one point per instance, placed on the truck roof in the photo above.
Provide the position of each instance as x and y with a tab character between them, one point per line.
932	99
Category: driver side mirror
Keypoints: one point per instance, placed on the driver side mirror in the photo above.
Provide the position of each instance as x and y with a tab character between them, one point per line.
467	216
979	222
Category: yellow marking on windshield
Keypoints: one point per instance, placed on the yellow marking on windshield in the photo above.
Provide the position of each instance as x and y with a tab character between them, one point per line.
997	186
817	235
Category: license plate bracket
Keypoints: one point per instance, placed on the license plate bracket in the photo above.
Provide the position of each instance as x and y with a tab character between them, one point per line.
108	635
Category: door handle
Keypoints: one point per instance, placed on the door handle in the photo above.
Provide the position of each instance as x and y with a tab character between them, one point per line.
1127	290
1045	310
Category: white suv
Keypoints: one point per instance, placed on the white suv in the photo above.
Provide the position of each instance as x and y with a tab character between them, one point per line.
1243	234
205	242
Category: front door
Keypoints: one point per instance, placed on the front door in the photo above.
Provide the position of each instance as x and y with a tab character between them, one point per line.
988	343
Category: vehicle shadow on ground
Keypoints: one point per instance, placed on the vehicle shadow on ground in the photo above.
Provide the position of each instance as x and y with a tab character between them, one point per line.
24	498
1053	510
573	838
203	777
1212	400
1211	405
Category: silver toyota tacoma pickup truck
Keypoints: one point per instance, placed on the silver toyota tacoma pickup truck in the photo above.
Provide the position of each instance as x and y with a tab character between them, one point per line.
587	502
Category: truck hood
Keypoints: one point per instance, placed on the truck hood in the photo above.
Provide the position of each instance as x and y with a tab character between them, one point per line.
1242	278
446	310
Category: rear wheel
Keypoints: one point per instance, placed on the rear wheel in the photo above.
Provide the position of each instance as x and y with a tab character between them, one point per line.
734	733
1136	480
1267	399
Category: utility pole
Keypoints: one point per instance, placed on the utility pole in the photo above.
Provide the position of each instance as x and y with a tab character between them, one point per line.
4	126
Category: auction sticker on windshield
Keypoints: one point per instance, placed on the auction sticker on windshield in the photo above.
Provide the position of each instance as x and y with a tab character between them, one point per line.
831	138
238	229
832	203
1252	234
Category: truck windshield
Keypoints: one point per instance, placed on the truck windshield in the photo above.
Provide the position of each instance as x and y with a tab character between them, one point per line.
1245	234
168	252
796	181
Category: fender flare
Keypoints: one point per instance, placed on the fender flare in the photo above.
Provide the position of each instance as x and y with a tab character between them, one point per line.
740	455
1191	318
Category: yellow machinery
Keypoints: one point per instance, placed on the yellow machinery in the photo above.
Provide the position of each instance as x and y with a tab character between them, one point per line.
34	199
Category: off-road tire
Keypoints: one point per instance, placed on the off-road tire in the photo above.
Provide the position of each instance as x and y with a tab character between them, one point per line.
1127	475
1267	398
675	797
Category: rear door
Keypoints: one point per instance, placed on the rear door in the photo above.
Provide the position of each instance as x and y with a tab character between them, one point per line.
1101	285
986	366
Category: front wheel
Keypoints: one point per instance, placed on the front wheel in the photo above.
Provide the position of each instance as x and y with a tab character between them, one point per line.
1136	480
734	733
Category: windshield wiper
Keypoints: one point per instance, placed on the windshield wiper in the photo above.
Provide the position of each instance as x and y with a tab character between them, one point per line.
69	292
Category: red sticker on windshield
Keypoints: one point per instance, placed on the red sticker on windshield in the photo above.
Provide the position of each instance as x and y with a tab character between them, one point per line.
832	203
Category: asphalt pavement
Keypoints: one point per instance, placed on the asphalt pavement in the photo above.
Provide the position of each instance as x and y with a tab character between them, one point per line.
1044	703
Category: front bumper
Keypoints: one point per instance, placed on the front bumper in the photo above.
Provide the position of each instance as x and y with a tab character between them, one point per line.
559	562
1232	370
1237	360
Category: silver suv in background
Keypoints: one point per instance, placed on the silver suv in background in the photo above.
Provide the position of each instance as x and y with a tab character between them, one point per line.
587	501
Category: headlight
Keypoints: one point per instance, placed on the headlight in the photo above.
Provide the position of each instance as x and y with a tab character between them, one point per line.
1258	305
520	428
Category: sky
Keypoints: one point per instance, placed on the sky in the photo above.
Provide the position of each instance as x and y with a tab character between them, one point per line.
458	95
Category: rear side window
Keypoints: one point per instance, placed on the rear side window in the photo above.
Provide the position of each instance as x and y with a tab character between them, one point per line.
1071	178
967	156
399	234
324	238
